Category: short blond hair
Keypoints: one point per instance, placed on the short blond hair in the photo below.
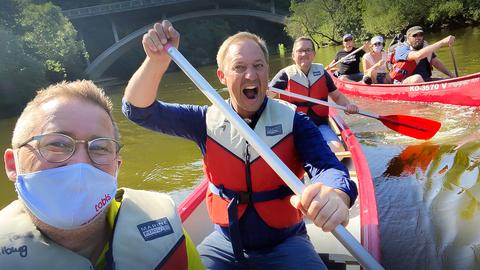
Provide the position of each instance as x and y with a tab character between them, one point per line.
81	89
241	36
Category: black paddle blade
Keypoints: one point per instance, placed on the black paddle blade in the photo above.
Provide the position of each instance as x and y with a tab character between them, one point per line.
412	126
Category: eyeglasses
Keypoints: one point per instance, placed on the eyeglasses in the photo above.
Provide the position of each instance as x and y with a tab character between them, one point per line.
418	35
377	44
348	39
306	51
58	147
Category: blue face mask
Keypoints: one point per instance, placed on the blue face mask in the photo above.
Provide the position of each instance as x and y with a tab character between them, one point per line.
67	197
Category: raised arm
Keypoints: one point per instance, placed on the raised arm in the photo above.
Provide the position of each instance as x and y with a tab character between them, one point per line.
428	50
141	90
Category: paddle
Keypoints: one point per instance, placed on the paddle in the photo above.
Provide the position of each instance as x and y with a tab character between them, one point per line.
454	61
345	57
416	127
350	243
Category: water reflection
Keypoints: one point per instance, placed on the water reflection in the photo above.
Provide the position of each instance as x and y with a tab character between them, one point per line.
440	187
452	192
411	159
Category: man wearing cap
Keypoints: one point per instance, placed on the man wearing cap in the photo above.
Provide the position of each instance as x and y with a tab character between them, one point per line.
349	68
413	60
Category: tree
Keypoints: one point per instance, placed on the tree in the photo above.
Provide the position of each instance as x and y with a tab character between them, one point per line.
9	9
383	17
50	37
325	21
20	74
446	13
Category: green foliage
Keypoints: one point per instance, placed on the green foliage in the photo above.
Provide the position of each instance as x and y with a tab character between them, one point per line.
328	20
445	12
383	17
37	45
20	74
198	46
325	21
9	9
55	71
51	38
472	11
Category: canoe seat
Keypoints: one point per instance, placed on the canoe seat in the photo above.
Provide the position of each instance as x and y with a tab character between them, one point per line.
343	154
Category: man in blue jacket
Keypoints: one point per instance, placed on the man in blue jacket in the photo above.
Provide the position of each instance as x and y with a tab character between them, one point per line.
258	223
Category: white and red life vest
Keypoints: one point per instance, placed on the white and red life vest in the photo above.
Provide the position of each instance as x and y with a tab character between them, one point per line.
230	162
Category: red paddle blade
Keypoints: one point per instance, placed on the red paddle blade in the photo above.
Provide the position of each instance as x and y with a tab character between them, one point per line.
412	126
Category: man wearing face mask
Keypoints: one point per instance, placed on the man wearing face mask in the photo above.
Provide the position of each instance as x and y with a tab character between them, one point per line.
414	59
64	163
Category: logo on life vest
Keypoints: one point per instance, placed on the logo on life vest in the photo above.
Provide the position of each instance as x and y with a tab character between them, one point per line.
21	250
155	229
274	130
104	201
317	73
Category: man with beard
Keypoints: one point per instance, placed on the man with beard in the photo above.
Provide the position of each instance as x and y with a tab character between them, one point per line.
413	60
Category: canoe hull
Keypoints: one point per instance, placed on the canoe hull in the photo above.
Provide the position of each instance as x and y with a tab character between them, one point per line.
463	90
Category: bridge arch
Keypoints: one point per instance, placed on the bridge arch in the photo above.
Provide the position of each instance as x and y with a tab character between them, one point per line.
110	55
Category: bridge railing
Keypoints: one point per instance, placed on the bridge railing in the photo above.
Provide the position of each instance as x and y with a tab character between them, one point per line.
117	7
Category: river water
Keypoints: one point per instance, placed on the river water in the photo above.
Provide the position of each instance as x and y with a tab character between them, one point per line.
428	193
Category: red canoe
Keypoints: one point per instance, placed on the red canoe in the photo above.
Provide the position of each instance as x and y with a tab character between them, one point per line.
363	223
463	90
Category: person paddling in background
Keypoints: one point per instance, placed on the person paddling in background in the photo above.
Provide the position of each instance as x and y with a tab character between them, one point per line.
310	79
413	60
375	63
349	66
64	162
258	223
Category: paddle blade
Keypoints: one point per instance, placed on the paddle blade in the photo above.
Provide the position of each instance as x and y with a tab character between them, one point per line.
412	126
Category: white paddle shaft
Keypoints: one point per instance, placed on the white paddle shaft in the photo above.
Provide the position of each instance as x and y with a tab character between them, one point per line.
319	101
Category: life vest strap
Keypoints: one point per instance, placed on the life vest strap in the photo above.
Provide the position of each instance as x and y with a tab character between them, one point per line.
234	229
244	197
304	104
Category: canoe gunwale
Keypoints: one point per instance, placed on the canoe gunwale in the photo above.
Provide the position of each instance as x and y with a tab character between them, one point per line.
370	230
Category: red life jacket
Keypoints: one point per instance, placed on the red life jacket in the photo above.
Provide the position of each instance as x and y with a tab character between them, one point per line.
404	68
230	163
312	85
